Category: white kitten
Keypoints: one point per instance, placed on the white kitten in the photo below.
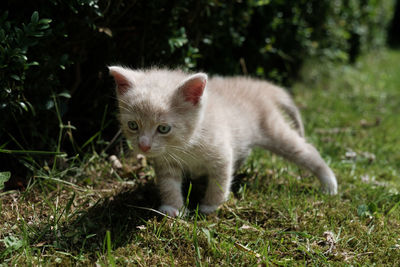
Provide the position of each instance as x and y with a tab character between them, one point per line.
189	123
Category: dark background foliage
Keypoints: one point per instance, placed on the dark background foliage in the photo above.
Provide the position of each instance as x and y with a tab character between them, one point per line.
53	54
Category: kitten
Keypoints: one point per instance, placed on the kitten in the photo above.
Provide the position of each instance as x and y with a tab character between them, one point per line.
207	127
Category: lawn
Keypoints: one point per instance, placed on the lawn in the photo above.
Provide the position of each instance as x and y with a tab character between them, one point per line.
85	212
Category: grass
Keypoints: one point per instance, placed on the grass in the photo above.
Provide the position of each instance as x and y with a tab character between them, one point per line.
87	213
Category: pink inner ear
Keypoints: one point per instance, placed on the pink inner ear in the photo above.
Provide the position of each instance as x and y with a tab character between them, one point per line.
123	84
193	90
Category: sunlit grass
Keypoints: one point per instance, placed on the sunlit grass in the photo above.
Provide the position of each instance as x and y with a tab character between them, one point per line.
88	213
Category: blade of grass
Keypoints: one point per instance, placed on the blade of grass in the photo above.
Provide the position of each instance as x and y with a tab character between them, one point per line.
61	127
32	152
90	140
110	257
195	241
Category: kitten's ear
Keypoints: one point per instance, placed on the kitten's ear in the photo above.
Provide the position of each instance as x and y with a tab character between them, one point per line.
193	87
121	79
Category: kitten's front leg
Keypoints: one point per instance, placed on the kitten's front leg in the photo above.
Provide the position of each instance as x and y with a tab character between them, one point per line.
169	183
218	187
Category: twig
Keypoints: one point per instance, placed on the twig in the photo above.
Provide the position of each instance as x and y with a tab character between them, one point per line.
62	181
113	140
357	255
243	65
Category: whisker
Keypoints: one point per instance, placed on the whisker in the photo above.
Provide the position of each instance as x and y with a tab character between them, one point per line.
178	161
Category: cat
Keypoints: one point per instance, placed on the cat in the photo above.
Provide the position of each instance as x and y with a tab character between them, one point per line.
207	127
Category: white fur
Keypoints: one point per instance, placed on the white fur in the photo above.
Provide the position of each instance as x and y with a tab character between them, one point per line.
171	211
215	135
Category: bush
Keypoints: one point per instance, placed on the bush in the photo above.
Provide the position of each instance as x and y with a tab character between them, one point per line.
54	53
14	45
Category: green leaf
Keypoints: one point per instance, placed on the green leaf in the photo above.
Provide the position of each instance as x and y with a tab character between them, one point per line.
23	105
49	104
262	2
362	210
45	21
15	77
4	177
38	35
12	243
35	17
31	107
65	94
33	63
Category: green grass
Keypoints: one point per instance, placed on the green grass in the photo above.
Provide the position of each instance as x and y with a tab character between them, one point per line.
87	213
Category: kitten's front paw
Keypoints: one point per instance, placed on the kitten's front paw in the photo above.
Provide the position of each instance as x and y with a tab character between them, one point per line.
329	185
330	189
207	209
169	210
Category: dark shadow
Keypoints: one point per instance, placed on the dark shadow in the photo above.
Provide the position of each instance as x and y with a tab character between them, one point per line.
122	214
197	188
239	180
199	185
394	29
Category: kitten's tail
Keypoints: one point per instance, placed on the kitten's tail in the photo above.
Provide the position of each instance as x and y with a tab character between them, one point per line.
288	106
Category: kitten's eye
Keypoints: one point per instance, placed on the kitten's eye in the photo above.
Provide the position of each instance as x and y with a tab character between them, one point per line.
163	129
133	125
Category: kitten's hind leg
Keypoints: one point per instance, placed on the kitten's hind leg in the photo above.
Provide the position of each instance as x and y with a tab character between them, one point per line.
285	141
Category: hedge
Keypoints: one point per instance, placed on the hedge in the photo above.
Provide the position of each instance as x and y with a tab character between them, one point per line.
53	54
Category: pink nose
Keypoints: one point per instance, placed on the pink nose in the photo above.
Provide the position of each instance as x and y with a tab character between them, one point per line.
144	148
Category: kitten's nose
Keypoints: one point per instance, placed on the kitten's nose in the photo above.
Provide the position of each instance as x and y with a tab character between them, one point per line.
144	148
144	143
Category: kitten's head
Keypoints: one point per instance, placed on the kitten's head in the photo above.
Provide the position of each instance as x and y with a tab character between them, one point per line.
159	110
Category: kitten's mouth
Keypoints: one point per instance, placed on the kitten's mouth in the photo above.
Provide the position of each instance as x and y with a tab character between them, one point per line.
148	154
